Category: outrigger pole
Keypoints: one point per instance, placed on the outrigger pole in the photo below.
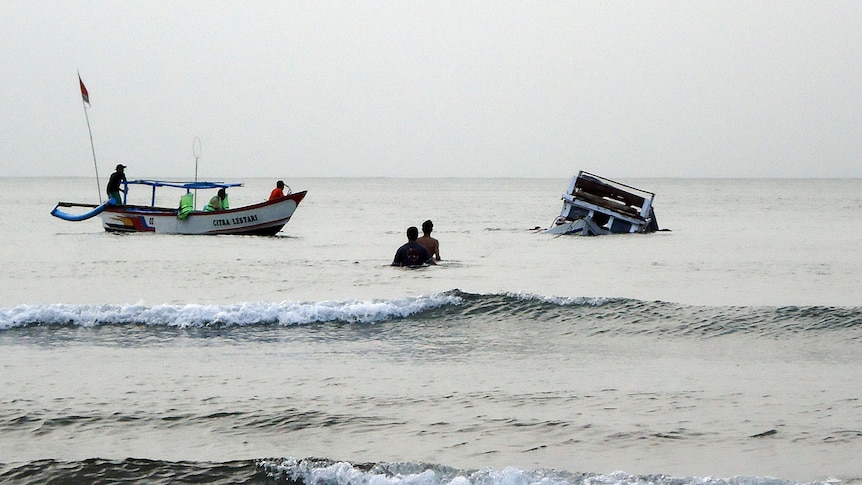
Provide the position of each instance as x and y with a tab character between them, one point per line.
85	101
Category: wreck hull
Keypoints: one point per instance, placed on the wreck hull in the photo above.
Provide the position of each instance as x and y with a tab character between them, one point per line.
595	206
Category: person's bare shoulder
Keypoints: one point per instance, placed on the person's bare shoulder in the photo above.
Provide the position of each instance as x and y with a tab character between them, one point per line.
431	244
428	243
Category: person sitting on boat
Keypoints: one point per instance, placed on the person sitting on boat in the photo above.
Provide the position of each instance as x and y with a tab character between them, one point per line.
412	253
278	191
118	177
431	244
218	202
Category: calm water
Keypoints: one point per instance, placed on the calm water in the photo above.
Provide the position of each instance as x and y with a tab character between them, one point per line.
724	351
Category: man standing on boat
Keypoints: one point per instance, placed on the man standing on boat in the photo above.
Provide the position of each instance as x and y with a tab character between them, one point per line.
118	177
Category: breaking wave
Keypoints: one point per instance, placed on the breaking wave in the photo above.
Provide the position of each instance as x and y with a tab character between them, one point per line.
314	471
588	316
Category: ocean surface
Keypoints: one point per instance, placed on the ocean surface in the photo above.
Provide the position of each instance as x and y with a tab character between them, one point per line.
727	350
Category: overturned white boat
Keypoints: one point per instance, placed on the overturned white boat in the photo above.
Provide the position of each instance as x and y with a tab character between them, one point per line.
595	205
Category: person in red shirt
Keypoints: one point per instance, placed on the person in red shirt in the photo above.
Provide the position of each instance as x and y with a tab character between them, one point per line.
278	191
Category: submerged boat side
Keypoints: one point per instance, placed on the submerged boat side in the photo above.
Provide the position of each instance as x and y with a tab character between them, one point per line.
266	218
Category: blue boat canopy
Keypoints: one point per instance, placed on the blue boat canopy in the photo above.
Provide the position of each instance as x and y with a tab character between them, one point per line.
188	186
183	185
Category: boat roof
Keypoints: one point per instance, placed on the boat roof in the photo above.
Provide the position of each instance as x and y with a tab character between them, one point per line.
583	175
184	185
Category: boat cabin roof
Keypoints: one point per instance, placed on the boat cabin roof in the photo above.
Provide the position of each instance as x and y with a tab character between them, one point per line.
600	193
184	185
605	187
188	186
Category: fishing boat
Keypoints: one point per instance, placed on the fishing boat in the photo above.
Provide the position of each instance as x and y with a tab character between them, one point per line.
265	218
595	205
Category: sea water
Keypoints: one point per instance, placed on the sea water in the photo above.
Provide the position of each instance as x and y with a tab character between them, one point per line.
726	350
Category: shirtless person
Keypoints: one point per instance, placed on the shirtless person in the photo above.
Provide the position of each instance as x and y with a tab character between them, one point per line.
428	242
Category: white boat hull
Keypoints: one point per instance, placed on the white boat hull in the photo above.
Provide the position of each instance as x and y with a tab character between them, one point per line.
266	218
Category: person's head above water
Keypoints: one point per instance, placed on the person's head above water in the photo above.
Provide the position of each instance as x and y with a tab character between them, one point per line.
412	233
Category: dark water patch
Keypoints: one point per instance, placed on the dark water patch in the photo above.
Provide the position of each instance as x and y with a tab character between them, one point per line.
132	470
51	424
844	436
42	423
295	420
591	317
679	434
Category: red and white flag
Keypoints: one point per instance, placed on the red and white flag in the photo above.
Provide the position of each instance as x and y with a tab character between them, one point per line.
84	93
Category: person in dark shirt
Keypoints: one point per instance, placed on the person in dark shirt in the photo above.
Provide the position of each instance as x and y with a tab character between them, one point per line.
118	177
412	253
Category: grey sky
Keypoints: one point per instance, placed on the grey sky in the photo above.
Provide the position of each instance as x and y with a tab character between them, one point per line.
463	88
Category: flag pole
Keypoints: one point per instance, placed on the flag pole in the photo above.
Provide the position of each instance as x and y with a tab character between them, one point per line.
85	100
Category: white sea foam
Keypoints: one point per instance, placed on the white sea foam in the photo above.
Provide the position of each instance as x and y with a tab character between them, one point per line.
284	313
343	473
560	300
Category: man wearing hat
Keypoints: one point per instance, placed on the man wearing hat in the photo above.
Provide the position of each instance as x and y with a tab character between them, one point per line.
116	179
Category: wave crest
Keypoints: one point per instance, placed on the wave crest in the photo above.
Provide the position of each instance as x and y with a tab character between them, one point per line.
316	471
325	472
197	315
584	315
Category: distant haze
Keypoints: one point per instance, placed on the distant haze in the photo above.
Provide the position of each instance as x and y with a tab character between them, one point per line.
433	89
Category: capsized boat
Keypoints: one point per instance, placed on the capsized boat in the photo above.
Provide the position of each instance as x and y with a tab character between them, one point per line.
595	205
264	218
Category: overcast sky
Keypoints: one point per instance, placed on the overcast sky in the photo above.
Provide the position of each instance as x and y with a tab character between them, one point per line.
429	89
